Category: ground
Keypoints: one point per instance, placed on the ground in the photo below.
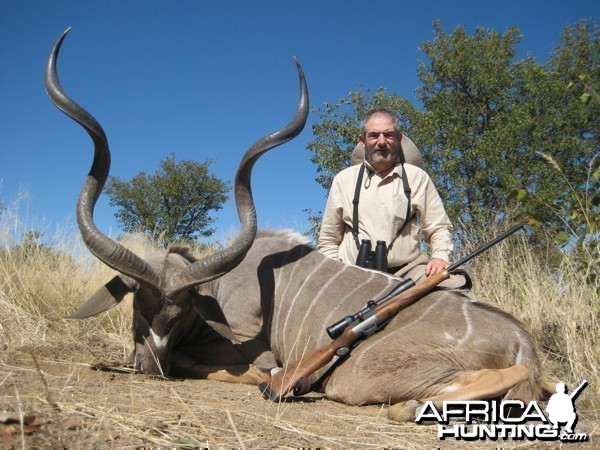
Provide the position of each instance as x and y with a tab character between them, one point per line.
63	401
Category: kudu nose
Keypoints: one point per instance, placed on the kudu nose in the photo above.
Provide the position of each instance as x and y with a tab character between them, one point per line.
149	361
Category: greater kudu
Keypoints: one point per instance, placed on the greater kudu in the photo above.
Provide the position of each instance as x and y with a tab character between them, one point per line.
260	303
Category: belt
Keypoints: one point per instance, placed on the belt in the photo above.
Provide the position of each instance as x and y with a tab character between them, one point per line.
393	270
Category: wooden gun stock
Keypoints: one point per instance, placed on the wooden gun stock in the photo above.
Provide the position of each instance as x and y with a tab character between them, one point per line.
294	377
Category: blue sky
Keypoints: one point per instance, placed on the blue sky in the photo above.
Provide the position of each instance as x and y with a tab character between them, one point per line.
207	79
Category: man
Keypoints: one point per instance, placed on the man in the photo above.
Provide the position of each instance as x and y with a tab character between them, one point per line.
395	201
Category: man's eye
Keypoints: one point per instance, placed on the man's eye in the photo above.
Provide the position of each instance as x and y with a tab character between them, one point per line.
387	135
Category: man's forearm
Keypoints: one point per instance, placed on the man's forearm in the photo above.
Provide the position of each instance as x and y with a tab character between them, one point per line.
441	245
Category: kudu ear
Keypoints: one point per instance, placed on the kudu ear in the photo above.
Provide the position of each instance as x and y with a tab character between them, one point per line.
210	311
105	298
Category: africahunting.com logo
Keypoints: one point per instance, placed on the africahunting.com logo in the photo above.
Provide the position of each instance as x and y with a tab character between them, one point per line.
509	419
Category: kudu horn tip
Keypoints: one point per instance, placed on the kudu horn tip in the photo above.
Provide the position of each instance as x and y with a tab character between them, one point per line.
298	65
64	34
57	45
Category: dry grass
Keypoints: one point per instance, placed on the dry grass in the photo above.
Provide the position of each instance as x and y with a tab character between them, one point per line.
56	400
556	305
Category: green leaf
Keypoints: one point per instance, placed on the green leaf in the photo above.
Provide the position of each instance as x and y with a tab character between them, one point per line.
175	201
585	98
596	175
561	238
522	195
512	195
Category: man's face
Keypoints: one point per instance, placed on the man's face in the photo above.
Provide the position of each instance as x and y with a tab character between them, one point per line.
381	141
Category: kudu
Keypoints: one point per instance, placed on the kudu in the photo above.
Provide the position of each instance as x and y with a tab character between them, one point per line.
266	299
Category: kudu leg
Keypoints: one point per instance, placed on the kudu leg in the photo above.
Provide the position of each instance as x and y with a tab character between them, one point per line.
216	359
232	369
243	374
469	385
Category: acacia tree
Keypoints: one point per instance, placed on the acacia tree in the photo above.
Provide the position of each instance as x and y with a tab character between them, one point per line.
467	91
492	130
567	108
495	129
175	201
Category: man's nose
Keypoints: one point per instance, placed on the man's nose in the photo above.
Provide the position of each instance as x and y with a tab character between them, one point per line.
381	141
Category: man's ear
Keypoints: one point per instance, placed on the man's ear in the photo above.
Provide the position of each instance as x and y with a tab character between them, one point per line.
105	298
361	138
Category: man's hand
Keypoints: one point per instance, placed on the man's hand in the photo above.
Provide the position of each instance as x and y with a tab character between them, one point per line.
435	265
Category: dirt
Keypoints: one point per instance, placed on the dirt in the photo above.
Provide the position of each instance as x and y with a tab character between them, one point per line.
51	397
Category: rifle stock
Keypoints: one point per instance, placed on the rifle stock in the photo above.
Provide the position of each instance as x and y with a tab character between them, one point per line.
294	377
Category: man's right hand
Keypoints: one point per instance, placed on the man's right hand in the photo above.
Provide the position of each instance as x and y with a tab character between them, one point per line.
435	265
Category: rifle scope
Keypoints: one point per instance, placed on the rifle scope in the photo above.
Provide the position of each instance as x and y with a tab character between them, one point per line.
335	330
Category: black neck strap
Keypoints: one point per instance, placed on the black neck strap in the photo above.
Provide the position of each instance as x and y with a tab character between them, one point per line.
407	192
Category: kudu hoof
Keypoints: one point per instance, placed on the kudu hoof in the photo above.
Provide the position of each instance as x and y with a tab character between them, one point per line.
404	412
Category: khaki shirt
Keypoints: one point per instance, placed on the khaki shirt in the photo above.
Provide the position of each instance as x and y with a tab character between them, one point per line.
381	213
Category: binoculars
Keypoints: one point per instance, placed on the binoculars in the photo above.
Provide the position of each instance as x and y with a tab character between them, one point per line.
372	259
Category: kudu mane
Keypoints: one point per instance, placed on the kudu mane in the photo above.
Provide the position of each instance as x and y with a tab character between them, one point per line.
183	251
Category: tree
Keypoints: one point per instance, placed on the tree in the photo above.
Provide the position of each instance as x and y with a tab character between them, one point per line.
467	91
492	130
175	201
501	127
565	102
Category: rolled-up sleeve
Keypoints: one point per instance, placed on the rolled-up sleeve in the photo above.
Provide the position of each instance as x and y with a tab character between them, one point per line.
332	225
435	224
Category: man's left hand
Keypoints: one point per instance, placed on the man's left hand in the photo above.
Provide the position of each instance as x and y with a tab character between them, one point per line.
435	265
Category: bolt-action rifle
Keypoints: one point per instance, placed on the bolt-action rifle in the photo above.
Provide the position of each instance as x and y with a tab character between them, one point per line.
348	332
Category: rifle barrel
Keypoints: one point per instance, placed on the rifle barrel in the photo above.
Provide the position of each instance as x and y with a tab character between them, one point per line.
468	258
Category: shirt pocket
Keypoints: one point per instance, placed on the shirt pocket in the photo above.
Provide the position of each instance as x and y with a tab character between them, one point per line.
399	210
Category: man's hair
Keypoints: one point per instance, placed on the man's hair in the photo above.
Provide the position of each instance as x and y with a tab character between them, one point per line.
379	112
